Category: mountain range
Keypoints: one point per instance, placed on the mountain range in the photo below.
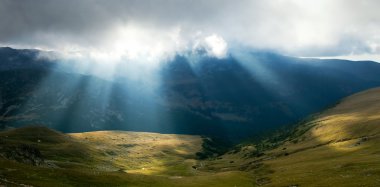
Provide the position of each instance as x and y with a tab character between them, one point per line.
237	97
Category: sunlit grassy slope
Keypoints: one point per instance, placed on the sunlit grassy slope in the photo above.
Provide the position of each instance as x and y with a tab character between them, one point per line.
107	158
337	147
145	153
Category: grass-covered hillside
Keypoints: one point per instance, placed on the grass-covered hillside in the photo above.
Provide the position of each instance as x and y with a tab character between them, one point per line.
337	147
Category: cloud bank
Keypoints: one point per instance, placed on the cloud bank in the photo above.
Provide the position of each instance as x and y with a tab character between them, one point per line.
152	28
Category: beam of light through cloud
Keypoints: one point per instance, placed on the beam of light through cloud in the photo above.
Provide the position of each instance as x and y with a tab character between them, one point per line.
266	78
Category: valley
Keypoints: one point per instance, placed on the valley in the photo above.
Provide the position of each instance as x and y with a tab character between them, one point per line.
336	146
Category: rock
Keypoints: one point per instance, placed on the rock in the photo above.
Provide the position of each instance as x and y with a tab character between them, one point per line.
362	140
50	164
263	181
23	153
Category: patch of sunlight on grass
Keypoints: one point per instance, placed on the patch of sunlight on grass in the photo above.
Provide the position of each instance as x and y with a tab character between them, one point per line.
145	153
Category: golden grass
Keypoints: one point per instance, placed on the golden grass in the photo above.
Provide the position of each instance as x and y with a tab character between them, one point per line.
144	153
336	164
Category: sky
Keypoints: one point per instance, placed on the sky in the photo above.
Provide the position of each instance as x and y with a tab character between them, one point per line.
157	29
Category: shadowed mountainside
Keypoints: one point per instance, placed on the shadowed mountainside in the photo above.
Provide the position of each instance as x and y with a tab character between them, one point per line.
232	98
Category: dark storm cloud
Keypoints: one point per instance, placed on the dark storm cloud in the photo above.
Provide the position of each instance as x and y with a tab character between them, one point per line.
297	27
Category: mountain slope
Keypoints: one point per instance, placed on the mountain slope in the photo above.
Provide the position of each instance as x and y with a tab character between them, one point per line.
337	147
341	146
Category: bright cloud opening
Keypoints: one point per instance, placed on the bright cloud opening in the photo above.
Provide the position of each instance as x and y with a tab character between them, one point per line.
216	46
114	30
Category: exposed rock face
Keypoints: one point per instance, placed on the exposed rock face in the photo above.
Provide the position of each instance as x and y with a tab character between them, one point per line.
23	153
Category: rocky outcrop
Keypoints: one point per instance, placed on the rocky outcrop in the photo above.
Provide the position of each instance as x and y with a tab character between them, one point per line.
22	153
